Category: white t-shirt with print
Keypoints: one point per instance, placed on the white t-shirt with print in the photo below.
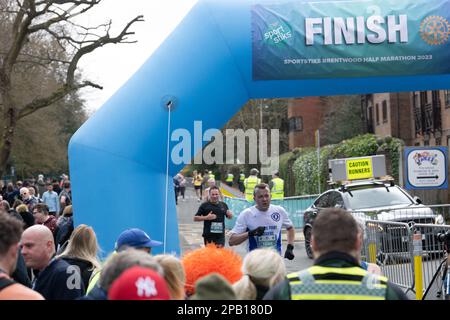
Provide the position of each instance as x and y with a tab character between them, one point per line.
274	219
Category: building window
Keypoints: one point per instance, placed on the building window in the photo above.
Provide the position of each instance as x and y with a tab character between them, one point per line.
370	119
417	113
436	106
423	97
296	124
447	98
377	113
426	143
384	111
438	141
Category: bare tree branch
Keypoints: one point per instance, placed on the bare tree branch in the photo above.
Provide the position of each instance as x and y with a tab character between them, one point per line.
97	44
59	94
41	40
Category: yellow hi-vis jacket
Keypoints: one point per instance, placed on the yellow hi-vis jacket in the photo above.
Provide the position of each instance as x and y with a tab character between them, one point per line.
250	184
242	177
229	178
277	188
198	180
332	283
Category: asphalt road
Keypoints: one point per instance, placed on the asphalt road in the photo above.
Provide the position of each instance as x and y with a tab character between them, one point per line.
190	234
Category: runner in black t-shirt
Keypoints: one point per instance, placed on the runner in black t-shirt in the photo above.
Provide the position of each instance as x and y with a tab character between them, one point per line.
213	213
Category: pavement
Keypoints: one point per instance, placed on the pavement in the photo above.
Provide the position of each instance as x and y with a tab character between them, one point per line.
190	234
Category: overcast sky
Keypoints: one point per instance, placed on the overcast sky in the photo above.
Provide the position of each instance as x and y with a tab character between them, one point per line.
113	65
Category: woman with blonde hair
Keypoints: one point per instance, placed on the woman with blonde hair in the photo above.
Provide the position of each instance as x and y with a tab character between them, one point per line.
173	274
262	269
81	251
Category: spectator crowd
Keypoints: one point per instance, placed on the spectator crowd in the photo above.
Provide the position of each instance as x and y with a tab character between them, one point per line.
42	256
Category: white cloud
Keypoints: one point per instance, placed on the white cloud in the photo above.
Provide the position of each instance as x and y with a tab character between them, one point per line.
112	65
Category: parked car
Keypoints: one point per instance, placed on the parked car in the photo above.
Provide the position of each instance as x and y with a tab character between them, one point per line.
371	200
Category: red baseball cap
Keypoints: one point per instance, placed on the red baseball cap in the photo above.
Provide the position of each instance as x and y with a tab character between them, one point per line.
138	283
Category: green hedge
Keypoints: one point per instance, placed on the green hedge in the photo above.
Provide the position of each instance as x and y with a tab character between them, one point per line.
305	168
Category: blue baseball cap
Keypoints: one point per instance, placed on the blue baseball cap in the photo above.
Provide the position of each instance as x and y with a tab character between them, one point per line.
136	238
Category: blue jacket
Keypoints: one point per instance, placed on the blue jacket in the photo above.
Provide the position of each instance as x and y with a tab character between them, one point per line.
96	293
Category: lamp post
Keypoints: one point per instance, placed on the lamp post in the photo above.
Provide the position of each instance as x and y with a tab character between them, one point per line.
261	106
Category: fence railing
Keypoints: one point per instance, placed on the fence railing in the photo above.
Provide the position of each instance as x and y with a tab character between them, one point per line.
409	254
294	206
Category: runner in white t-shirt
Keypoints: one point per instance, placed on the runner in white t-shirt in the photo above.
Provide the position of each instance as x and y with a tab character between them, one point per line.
262	224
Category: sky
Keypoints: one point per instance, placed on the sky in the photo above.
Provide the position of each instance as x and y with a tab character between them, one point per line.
112	65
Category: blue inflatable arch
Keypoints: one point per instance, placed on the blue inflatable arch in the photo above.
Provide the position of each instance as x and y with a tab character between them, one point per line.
118	158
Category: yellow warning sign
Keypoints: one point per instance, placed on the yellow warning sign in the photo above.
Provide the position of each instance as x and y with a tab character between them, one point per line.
360	168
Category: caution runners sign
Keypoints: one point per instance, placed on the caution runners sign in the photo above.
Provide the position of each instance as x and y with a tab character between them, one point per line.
360	168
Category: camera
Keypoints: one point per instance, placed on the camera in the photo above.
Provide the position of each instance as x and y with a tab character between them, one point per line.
445	238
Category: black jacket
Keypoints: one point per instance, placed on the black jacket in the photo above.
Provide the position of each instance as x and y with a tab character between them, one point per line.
85	267
20	275
58	281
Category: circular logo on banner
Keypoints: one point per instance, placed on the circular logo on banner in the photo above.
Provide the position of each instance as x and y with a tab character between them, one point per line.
275	216
434	30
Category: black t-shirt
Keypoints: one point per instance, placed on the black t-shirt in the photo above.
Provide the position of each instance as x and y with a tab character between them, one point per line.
214	227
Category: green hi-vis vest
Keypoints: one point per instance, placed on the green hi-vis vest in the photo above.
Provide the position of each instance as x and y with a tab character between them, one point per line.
278	188
250	184
229	178
327	283
211	176
242	177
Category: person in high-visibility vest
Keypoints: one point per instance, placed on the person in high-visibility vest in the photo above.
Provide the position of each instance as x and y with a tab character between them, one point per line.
250	184
241	182
229	179
212	176
276	186
336	274
198	179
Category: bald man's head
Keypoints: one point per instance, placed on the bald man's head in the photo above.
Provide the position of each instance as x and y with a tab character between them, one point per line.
38	246
24	193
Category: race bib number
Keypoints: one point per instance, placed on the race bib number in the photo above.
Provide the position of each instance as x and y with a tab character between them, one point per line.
216	227
267	241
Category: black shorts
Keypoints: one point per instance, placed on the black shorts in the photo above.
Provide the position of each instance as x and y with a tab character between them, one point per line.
220	240
198	187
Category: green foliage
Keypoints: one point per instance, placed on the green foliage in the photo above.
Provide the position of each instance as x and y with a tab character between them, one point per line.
306	169
286	161
308	172
356	147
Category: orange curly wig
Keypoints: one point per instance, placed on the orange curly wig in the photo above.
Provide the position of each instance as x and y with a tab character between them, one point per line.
203	261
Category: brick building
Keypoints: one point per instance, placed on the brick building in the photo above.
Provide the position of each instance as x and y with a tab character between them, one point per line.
305	116
420	118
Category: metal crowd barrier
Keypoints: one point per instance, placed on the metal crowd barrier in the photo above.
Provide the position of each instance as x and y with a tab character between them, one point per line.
388	245
408	254
429	256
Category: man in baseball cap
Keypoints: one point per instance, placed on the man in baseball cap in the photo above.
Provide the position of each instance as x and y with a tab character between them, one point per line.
135	238
138	283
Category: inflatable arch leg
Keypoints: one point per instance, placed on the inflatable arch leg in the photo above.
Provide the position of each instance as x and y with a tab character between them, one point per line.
118	157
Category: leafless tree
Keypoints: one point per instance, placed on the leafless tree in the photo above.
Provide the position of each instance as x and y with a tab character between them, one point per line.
44	35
